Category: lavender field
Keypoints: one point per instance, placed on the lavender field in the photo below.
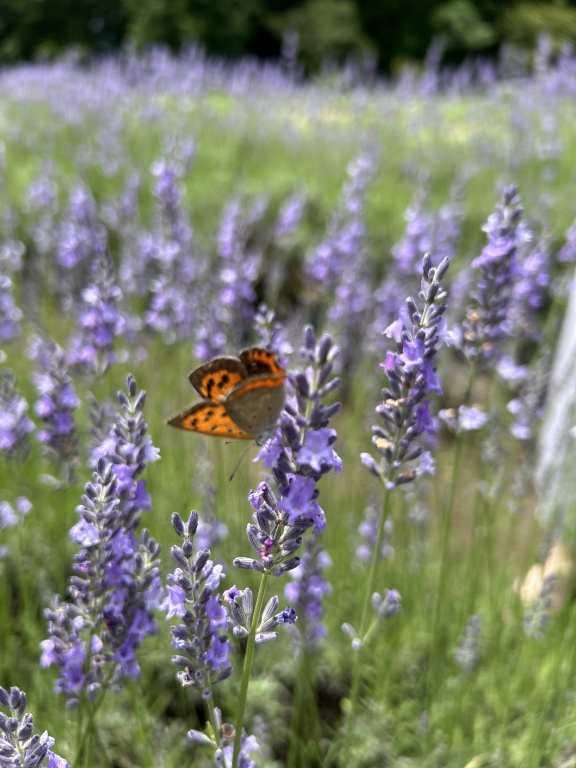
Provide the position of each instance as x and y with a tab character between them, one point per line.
387	580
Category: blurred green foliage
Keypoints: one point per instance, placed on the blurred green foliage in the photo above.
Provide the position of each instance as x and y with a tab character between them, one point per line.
395	30
524	23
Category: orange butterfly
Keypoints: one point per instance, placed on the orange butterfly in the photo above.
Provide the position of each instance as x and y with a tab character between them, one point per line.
242	396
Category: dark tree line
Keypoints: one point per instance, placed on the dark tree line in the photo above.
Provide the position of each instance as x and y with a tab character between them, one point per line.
391	30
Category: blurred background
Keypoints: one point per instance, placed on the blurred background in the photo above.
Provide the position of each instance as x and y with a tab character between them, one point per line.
386	32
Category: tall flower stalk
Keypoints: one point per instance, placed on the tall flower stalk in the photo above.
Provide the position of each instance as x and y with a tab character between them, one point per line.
406	421
298	455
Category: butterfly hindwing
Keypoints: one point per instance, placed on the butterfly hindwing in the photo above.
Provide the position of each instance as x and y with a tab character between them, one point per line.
209	419
217	378
258	360
255	404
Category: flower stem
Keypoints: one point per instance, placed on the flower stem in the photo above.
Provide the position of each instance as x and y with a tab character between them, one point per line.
446	528
89	726
248	658
355	689
376	555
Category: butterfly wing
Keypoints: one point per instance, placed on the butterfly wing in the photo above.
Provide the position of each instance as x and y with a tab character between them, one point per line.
209	419
214	380
258	361
255	404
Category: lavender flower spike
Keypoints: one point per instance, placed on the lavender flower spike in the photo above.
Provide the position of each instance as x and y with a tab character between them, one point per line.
306	591
15	426
20	747
411	377
487	323
56	404
100	320
201	642
116	583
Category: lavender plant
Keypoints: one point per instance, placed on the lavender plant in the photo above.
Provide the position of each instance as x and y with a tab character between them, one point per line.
81	240
57	401
298	455
306	592
271	334
487	321
238	260
345	233
466	654
10	313
9	517
20	746
405	412
537	615
100	320
174	264
201	642
116	584
15	425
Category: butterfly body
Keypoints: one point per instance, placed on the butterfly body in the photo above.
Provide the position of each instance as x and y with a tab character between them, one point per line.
242	396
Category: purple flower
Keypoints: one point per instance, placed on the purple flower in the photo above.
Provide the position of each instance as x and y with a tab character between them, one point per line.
56	405
289	216
10	314
19	745
408	426
300	501
8	517
202	647
307	591
116	584
368	530
317	451
388	606
531	284
100	320
272	334
15	426
345	233
81	238
302	451
425	232
175	266
231	315
487	322
173	603
464	420
249	744
510	371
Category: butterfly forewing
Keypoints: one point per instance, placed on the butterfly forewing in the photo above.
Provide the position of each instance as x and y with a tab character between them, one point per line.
258	360
209	419
217	378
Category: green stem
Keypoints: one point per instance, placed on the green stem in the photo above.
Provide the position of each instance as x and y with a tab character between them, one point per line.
248	658
210	712
88	729
355	689
376	555
446	528
294	757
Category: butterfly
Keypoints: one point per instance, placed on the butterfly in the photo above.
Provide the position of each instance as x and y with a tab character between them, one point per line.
242	396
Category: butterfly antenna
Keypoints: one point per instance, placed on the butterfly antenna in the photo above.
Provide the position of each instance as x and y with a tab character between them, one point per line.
240	460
